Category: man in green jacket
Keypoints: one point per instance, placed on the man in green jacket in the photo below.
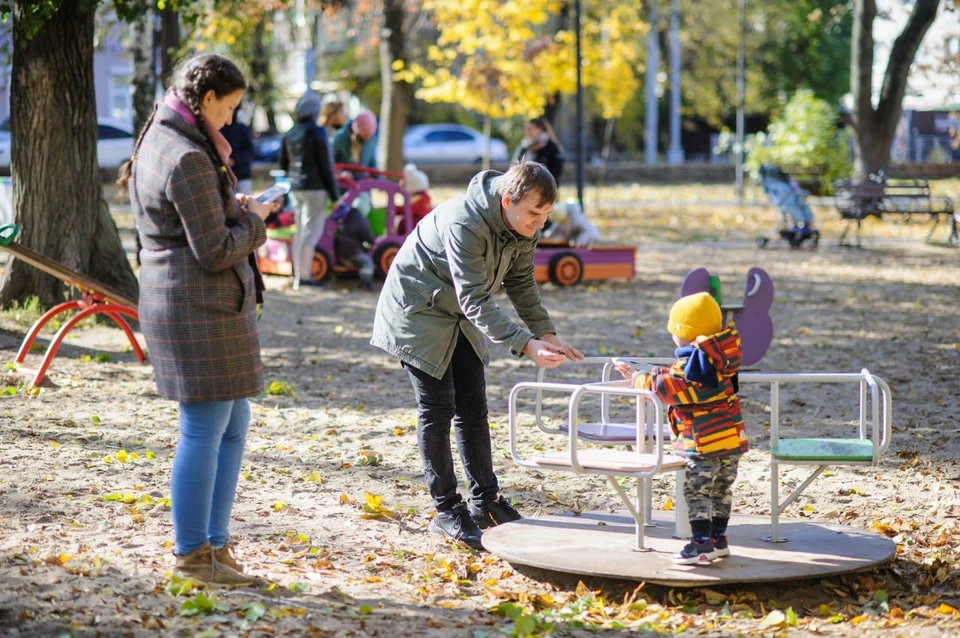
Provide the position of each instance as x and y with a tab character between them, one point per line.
435	313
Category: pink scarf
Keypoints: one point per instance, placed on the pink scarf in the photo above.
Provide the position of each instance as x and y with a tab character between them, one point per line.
219	141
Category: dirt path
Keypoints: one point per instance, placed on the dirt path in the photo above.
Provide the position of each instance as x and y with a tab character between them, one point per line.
84	470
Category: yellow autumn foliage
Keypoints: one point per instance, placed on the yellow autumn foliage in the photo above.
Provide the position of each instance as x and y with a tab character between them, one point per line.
504	58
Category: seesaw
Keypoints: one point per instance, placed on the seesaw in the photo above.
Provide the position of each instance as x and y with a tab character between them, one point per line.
95	299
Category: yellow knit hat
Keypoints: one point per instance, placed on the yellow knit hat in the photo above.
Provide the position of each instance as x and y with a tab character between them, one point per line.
695	315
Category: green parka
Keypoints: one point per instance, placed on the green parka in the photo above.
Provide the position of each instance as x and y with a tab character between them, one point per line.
443	279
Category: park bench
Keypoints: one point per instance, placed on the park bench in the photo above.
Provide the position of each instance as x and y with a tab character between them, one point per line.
644	437
883	195
95	298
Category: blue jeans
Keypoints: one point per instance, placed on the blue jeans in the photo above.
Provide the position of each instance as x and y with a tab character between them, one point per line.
205	472
460	398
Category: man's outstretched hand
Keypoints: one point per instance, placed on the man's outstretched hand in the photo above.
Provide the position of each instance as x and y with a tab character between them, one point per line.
549	351
571	353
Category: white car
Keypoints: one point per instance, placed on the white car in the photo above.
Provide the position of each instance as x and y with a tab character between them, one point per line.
425	144
114	143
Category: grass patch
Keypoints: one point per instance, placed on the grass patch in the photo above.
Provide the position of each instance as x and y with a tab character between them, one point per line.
23	313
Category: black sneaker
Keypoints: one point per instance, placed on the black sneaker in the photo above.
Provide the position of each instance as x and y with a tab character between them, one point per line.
695	553
492	514
721	546
457	524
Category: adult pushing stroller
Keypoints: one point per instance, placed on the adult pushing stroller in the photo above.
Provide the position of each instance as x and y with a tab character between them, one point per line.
796	218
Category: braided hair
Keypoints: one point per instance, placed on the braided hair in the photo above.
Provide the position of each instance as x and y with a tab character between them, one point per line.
193	79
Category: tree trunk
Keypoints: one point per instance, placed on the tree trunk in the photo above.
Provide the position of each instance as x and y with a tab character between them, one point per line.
875	126
144	85
261	78
398	96
169	43
56	182
108	259
400	103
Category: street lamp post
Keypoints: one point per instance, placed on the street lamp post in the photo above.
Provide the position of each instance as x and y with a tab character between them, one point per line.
581	131
741	11
675	152
653	61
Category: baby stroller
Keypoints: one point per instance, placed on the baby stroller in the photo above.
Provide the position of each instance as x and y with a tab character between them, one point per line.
796	218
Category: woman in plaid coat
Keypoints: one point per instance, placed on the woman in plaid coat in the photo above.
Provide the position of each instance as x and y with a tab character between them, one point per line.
198	295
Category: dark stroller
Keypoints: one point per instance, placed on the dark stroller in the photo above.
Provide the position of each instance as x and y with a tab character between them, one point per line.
796	218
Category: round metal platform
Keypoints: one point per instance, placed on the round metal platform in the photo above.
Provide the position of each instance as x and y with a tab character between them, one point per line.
603	544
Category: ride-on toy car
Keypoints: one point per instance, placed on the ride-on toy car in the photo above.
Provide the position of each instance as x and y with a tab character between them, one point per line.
274	256
564	265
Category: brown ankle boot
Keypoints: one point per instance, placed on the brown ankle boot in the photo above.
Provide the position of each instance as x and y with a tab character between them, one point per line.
201	565
225	556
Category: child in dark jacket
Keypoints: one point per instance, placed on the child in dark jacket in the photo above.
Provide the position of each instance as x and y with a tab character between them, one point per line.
351	242
704	410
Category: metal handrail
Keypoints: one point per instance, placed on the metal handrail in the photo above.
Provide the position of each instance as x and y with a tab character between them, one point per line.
605	377
576	395
881	430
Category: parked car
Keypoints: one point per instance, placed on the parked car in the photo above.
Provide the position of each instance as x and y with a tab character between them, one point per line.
266	147
114	142
449	144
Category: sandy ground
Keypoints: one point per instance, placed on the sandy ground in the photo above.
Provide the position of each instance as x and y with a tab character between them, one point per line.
332	508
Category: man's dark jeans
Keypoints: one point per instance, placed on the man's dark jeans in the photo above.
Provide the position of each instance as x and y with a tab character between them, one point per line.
460	398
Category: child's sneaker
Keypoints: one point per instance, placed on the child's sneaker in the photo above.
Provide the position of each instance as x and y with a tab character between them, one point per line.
721	546
695	553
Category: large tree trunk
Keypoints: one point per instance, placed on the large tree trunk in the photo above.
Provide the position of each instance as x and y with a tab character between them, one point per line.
398	96
169	43
144	84
261	79
56	192
875	126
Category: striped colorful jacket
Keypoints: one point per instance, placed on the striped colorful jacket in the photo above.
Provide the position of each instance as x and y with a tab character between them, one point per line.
706	421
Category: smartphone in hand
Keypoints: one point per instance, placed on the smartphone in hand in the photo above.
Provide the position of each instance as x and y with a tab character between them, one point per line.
273	193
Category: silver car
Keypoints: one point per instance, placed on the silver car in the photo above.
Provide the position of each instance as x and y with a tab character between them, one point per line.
426	144
114	143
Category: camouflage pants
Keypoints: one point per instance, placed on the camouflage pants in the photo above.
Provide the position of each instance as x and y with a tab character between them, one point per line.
708	487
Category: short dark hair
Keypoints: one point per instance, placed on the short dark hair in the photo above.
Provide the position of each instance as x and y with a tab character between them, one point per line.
528	177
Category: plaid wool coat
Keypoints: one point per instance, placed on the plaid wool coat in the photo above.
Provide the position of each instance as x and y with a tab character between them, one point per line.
197	292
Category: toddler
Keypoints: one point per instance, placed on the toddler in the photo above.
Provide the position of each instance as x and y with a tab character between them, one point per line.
704	412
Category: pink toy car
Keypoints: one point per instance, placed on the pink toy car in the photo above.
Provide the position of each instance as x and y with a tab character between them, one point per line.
274	256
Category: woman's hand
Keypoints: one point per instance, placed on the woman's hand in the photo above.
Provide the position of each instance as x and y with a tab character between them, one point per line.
260	209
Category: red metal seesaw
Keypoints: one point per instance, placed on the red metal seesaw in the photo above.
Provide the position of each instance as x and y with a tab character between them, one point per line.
96	299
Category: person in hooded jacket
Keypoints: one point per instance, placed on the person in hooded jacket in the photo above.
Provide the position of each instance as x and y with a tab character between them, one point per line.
700	390
436	312
356	143
306	157
352	242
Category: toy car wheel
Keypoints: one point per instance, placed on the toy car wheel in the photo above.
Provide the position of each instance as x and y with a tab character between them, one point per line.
383	258
762	242
320	266
565	269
